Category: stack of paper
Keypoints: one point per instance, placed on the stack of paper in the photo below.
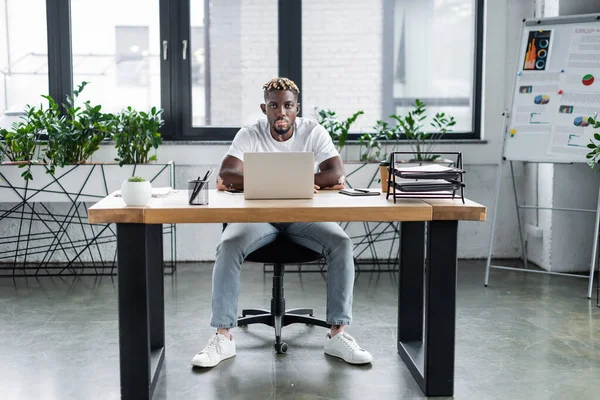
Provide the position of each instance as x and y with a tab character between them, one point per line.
427	179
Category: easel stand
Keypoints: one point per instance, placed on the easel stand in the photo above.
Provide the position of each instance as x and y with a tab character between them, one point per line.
520	207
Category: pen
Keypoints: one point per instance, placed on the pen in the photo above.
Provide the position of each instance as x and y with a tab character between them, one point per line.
194	192
198	186
362	190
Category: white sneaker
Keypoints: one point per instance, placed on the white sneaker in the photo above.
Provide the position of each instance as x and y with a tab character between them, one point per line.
345	347
219	348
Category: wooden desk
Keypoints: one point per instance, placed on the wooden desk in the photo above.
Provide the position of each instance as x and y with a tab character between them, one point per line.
426	296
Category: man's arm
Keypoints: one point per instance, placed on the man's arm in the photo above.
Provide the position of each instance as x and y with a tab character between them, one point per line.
332	175
231	174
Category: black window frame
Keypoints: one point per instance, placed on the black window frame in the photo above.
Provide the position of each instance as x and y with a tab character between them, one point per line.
175	72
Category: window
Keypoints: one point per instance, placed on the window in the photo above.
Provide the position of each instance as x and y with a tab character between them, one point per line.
379	56
234	52
198	57
23	57
116	47
204	61
433	58
132	55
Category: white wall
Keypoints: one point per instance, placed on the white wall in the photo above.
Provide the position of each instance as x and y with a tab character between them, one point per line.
572	233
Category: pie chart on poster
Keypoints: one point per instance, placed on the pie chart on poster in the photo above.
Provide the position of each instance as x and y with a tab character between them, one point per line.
581	121
587	79
541	99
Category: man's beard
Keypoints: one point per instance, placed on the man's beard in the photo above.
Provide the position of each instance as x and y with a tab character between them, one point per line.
281	131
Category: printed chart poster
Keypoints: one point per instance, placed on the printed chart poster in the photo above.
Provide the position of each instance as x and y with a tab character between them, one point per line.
538	51
580	100
535	102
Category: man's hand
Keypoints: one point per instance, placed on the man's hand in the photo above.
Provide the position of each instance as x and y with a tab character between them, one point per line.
332	175
316	189
220	184
231	174
340	185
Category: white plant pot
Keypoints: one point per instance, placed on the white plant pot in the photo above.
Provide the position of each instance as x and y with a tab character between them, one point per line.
136	193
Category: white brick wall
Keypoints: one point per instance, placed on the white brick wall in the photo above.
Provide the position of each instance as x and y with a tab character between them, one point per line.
342	58
259	54
243	57
225	61
341	50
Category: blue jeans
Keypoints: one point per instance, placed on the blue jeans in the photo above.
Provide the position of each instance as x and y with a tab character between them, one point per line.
239	240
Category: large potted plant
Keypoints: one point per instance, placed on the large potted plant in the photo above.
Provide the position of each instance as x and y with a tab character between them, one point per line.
62	137
76	134
422	142
372	150
136	134
54	144
61	141
18	146
338	129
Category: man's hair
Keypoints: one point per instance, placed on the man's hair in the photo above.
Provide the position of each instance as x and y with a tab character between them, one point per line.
280	84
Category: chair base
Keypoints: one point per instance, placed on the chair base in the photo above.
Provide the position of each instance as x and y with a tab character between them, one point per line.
293	316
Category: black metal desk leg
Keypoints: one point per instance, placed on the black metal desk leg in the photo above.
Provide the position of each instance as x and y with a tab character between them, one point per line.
141	315
410	290
440	308
155	274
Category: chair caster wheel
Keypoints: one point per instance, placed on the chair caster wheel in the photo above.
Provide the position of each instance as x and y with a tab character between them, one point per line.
281	348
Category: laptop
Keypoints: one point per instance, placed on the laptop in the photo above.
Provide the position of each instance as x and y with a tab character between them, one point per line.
279	175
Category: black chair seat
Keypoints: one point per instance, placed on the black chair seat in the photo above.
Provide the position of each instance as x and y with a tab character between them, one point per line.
283	251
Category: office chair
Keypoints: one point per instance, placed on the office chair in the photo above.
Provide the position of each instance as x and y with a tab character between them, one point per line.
280	252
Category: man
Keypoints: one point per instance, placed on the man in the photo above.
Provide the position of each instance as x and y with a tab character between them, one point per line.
282	131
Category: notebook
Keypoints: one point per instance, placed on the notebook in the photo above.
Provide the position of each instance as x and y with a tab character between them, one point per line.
360	192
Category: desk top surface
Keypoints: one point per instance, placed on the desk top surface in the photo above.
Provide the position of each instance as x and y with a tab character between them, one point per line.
327	205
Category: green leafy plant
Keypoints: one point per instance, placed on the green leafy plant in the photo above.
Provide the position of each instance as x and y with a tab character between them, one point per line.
19	145
73	136
422	142
136	179
338	129
136	135
594	153
372	142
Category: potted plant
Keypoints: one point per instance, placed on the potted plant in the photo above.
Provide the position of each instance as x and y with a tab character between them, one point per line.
372	152
421	141
136	191
60	140
18	146
136	134
338	129
75	135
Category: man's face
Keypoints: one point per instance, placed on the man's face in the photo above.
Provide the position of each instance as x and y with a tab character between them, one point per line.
281	109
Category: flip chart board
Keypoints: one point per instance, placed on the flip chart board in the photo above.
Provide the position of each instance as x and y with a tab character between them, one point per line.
556	89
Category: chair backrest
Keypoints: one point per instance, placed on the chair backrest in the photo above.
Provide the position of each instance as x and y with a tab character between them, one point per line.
282	251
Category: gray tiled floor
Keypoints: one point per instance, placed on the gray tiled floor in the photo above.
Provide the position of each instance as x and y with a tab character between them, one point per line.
526	336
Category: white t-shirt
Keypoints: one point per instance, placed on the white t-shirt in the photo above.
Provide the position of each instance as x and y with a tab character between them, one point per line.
308	136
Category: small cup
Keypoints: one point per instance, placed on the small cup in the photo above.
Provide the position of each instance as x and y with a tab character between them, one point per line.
384	174
197	192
